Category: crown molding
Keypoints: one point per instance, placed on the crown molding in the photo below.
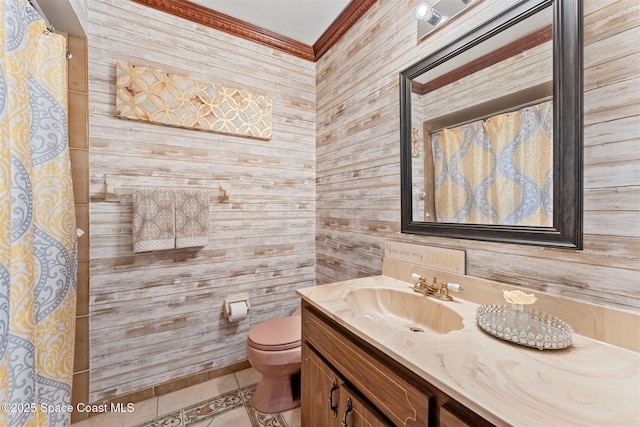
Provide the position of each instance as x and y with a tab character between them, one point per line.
210	18
514	48
349	16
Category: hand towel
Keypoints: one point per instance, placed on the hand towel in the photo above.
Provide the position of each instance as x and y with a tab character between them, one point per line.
154	214
192	217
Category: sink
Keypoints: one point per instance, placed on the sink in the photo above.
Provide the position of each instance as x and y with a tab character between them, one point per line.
404	309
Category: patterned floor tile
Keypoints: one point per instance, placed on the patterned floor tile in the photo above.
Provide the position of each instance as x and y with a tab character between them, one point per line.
259	419
235	405
237	417
169	420
213	408
205	391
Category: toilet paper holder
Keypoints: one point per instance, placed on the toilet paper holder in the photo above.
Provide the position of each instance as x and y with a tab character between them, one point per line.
234	299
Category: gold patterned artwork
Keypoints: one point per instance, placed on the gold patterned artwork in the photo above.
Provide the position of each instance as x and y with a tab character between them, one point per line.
415	143
157	97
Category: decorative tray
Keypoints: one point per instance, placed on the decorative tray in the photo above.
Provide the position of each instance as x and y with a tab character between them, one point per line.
537	329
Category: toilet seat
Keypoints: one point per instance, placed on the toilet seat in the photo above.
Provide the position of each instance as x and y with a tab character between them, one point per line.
278	334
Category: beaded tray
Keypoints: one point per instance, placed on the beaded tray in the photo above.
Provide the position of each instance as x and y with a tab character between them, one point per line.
543	331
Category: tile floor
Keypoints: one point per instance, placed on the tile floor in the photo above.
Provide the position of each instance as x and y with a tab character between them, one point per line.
221	402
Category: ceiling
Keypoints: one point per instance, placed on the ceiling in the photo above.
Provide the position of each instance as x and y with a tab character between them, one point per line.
303	28
301	20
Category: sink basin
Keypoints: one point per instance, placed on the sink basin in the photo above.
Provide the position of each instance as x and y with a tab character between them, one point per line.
404	309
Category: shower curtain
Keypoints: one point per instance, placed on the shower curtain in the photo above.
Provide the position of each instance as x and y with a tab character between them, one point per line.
496	171
37	224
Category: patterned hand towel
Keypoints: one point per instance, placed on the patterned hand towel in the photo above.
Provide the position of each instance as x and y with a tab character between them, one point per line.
192	217
154	215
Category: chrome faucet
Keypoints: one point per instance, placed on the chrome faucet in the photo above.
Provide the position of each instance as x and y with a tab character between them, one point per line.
440	291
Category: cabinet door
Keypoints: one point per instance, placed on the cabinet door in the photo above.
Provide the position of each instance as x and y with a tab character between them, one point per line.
355	412
450	419
320	391
456	415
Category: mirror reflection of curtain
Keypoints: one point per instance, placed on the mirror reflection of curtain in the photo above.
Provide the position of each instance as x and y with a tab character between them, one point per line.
496	171
37	222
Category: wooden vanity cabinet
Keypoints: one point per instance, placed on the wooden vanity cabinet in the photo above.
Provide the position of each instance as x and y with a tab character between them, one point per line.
342	371
330	402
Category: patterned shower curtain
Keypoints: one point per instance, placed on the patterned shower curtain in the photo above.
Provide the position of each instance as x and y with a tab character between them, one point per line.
496	171
37	224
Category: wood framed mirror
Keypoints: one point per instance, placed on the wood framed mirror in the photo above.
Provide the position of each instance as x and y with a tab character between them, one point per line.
433	99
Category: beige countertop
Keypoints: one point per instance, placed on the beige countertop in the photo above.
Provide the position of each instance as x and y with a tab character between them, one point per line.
590	383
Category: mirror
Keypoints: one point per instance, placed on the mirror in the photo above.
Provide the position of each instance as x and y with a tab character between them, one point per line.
491	131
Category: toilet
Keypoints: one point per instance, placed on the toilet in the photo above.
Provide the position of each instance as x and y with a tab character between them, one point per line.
273	349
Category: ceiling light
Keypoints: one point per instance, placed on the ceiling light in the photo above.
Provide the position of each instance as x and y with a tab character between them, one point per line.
425	12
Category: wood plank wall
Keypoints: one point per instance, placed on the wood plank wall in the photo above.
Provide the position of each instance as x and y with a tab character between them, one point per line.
357	157
156	317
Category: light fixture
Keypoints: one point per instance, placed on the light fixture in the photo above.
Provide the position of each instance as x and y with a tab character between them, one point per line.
425	12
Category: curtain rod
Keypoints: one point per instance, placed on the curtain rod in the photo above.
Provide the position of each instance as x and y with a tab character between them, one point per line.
486	116
36	6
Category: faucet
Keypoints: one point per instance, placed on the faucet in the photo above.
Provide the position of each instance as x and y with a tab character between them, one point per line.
440	291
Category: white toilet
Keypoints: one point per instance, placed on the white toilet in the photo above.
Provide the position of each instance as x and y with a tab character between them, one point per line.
273	349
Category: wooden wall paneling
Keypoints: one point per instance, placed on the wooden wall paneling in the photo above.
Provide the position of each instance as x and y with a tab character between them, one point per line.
372	164
609	199
344	96
262	197
623	129
619	69
612	102
609	20
615	152
605	50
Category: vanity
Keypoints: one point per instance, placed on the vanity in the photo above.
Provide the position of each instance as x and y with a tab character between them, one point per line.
376	353
348	381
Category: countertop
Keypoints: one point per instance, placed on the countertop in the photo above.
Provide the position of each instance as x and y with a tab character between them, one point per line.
590	383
